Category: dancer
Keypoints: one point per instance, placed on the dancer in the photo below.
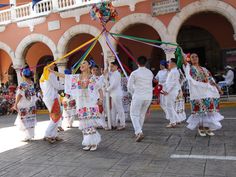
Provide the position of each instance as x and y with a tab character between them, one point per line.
25	105
161	78
115	90
61	96
69	110
50	88
83	88
204	98
173	94
140	86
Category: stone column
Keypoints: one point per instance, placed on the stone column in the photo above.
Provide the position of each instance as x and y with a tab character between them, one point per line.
18	72
170	53
13	12
61	68
55	6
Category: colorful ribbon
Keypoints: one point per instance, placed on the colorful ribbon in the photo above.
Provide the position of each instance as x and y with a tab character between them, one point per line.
123	48
85	55
113	51
46	72
143	39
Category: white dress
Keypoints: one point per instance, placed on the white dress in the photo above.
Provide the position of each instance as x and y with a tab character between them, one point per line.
84	92
69	109
26	118
204	99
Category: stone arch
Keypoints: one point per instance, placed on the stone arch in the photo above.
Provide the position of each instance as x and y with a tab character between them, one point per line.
215	6
30	39
8	50
79	29
142	18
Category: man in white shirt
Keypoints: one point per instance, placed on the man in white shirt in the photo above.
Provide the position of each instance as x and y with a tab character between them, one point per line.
171	92
229	77
115	90
50	88
161	78
140	86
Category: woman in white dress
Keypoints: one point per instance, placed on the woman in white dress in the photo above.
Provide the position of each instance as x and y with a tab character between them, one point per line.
204	98
25	105
69	110
83	88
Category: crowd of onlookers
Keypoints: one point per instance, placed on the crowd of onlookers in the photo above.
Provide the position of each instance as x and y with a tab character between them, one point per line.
7	99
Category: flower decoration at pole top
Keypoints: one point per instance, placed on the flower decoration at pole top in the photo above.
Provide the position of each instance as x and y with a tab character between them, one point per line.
104	12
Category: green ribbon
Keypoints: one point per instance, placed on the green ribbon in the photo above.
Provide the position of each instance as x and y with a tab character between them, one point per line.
179	57
144	40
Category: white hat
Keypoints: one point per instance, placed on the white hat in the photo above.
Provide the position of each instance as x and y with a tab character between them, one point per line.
228	67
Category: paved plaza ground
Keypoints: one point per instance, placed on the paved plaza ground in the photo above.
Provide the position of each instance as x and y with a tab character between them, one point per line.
163	153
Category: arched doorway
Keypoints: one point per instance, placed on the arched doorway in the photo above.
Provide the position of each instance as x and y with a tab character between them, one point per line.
37	54
76	41
208	34
7	72
137	49
12	76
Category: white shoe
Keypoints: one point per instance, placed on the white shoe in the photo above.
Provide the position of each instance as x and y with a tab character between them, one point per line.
94	148
201	132
210	133
86	148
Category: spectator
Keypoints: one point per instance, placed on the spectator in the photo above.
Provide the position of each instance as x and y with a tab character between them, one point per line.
229	77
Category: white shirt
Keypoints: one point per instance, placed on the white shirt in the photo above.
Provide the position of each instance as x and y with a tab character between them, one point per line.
173	81
140	84
51	87
162	76
229	78
115	84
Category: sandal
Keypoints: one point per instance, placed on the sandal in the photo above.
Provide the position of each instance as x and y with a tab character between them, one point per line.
171	126
202	132
86	148
94	148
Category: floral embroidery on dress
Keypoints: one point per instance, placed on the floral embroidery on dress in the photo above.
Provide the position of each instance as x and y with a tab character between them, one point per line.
27	89
205	105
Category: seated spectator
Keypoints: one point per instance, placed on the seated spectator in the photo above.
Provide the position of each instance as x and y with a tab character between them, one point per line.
229	77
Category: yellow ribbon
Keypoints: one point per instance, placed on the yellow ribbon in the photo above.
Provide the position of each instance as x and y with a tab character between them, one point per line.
46	71
92	46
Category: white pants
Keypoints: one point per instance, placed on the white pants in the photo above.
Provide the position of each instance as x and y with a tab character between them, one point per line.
171	113
117	112
60	122
138	112
163	102
51	131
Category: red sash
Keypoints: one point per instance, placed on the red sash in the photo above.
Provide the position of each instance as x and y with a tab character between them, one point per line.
56	111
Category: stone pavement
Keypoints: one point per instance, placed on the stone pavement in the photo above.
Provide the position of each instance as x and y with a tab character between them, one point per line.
119	155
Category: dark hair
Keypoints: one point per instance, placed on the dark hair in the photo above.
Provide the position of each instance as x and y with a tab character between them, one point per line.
142	60
115	63
173	60
94	66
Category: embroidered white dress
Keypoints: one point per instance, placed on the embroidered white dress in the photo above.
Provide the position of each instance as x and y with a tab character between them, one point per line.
204	99
26	118
85	94
69	110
